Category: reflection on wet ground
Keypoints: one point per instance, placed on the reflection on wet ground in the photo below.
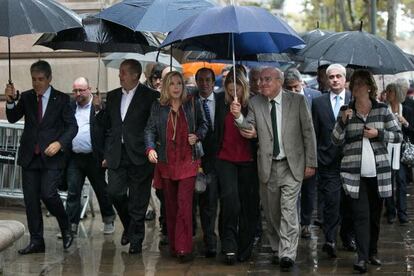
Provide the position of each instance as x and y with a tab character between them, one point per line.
96	254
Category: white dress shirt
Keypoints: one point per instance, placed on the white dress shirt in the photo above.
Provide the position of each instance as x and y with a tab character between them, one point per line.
82	141
126	100
278	104
333	98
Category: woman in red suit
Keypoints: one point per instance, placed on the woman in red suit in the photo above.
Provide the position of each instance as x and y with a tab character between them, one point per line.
176	123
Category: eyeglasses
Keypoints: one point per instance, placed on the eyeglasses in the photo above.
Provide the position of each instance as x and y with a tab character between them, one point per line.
79	90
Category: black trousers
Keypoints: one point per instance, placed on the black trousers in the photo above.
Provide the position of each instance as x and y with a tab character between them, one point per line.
129	187
40	183
366	213
307	200
330	186
239	196
80	166
207	203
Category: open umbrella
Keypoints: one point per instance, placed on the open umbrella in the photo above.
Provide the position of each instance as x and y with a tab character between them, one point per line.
100	37
114	60
19	17
153	15
359	48
233	32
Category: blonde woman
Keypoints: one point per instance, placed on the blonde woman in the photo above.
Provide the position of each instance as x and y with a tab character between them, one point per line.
175	124
237	174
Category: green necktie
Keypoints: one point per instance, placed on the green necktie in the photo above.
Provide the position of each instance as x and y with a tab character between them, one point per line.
276	149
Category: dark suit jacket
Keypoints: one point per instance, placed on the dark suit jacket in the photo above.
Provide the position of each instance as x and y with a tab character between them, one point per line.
310	94
324	121
97	131
131	129
58	124
210	143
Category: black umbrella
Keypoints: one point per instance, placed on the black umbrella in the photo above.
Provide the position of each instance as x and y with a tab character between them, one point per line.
100	37
359	48
19	17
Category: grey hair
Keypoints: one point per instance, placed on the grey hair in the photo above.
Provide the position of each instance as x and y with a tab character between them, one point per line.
82	79
398	90
293	74
277	70
404	84
338	67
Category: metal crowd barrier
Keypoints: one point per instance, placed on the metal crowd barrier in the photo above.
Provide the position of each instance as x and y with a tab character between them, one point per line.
11	173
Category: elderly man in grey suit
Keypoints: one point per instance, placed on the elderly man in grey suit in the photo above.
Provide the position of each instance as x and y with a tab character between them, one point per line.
286	155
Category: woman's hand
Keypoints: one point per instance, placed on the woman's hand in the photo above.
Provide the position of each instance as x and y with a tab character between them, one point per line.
235	108
346	114
370	132
153	156
402	120
192	139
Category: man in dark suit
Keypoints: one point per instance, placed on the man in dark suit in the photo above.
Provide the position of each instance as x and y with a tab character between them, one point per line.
86	158
293	82
325	110
49	128
129	172
205	79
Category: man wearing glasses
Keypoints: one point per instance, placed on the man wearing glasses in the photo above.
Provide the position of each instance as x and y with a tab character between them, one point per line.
86	159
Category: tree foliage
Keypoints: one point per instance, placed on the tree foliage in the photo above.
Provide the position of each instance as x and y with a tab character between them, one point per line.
342	15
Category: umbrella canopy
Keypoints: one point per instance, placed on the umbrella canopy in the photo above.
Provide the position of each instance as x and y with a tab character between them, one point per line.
254	30
35	16
115	59
99	37
359	48
19	17
153	15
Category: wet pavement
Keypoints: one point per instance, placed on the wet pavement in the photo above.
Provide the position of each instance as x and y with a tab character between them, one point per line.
96	254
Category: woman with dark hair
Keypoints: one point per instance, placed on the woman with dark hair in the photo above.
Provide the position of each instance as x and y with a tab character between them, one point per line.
395	96
176	123
237	174
364	129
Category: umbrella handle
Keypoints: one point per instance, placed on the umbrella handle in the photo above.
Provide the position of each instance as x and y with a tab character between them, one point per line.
9	55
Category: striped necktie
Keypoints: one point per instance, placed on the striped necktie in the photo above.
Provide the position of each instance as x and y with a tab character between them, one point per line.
207	112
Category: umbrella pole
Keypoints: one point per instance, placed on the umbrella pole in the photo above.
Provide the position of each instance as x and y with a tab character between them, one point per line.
234	66
8	43
99	69
171	53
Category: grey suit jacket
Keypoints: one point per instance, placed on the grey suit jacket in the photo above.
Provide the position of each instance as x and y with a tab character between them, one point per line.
298	136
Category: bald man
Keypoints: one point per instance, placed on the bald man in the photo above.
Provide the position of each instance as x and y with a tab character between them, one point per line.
86	159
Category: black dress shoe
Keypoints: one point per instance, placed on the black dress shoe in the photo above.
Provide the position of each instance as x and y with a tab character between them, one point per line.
185	257
361	266
135	248
286	264
404	221
350	246
390	220
330	249
67	239
211	253
374	260
32	248
124	238
230	258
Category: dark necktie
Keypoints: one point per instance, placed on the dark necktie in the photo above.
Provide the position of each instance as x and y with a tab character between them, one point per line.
207	112
39	119
276	149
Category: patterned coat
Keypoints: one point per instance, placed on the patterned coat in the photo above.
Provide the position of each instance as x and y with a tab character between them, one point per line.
350	136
